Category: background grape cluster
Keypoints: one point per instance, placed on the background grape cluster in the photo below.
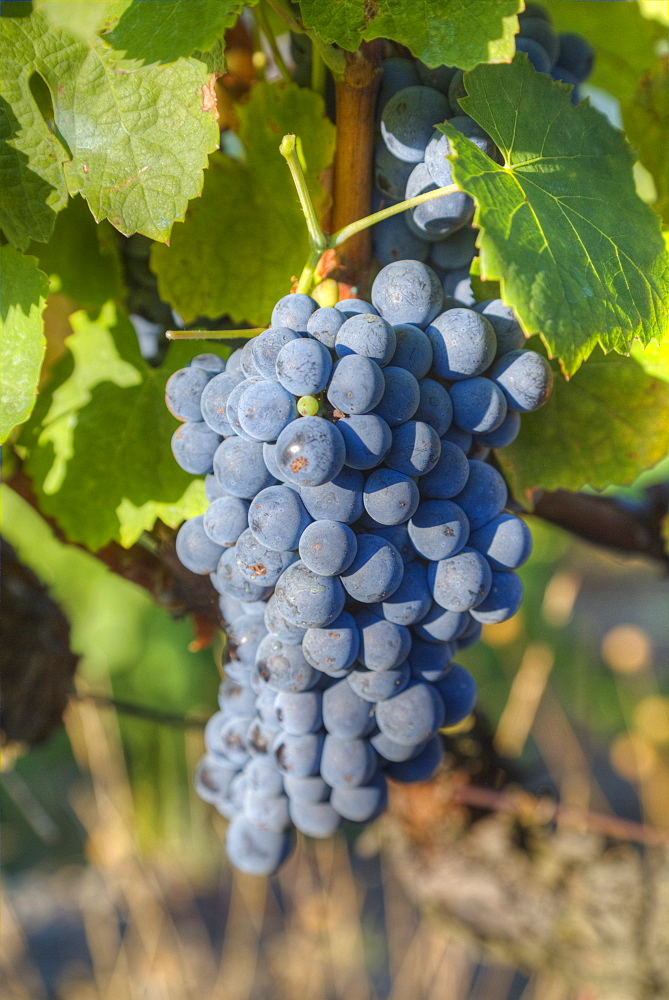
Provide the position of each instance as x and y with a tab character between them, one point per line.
354	544
410	153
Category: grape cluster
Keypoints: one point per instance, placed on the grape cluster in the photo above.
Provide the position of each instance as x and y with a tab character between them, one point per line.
410	157
357	539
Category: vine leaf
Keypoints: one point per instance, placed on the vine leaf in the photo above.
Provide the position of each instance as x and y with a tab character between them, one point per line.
94	468
580	256
22	299
82	18
161	33
133	140
646	117
606	425
439	32
245	239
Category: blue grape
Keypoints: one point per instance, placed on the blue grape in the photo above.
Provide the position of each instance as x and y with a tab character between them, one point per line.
535	52
458	693
240	469
293	311
440	626
508	431
398	535
415	448
457	285
236	698
254	851
234	361
210	363
375	573
266	812
281	629
438	529
352	307
265	349
504	322
400	398
576	55
183	392
310	451
390	497
246	362
277	518
412	599
393	240
212	488
195	549
456	91
438	77
299	712
390	175
449	475
368	335
357	384
505	541
345	714
282	666
434	407
307	599
436	219
428	661
324	324
333	648
478	405
407	292
361	804
383	644
229	607
232	741
314	819
212	778
408	119
377	685
194	447
439	147
541	31
245	635
502	601
525	378
263	777
389	750
347	763
484	494
299	756
458	437
470	636
259	564
232	405
260	738
367	440
264	409
463	343
413	351
412	716
421	767
265	700
338	500
214	401
328	548
228	580
225	519
268	454
398	73
457	250
564	76
460	582
303	366
309	789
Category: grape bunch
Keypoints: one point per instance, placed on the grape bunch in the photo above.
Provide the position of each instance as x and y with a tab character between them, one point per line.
357	538
410	157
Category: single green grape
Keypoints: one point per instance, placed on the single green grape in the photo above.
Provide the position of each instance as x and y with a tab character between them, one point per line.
308	406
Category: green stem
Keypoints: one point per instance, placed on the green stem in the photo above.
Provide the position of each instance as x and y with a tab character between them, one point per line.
334	59
289	151
336	239
266	28
285	13
308	279
214	334
317	72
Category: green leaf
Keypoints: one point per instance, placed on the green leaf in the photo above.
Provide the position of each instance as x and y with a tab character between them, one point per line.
646	117
162	32
440	32
654	359
134	141
605	426
245	239
81	258
23	291
81	19
623	39
579	255
99	439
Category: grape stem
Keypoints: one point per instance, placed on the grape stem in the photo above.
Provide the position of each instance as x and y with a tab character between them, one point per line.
334	58
215	334
266	28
